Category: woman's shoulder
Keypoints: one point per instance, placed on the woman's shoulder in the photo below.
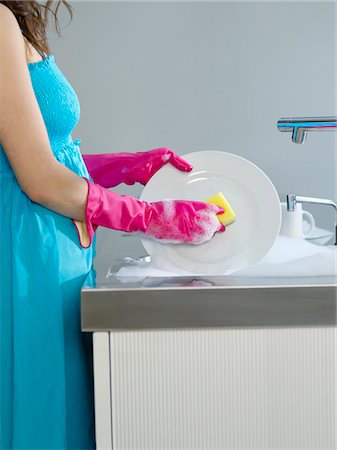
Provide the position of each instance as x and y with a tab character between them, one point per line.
11	37
9	26
8	22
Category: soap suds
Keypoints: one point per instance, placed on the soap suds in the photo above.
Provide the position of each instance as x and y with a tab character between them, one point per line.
289	257
182	221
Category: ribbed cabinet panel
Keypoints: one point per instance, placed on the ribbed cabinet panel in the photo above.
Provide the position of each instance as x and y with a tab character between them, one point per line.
224	389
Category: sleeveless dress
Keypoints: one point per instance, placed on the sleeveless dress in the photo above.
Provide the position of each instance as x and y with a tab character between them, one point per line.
46	379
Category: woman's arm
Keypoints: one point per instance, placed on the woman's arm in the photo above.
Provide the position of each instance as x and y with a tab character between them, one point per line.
23	133
24	137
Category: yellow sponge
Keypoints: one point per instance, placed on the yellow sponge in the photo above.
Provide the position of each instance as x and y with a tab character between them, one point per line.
229	215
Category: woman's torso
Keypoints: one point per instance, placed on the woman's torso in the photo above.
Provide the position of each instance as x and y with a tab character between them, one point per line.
60	108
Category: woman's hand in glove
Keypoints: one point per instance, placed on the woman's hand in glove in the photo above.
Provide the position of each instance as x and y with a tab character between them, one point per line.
170	221
112	169
177	221
148	163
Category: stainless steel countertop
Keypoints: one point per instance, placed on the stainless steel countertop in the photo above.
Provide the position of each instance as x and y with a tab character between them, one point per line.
206	302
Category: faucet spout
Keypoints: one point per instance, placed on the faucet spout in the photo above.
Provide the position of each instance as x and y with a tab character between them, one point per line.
299	126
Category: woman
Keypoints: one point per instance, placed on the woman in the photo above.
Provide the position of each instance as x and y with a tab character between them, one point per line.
51	202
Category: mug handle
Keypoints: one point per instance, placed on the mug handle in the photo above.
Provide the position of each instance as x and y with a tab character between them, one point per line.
309	217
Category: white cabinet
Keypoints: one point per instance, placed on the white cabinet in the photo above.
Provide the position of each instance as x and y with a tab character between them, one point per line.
224	388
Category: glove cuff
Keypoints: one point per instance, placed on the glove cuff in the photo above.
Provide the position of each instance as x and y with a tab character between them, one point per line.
86	229
108	209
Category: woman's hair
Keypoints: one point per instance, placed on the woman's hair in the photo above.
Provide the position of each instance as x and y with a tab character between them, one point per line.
32	17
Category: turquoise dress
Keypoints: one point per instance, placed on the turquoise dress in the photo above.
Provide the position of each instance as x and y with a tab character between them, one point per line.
46	379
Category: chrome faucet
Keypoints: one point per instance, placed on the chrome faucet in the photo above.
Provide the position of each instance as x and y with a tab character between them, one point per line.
299	126
292	199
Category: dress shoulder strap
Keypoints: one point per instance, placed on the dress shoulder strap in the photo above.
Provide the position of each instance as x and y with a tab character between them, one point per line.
43	56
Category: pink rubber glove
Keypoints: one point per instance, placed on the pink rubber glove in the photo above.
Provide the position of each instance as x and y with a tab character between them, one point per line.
112	169
173	221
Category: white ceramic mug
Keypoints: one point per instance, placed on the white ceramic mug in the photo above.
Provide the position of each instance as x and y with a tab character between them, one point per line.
292	221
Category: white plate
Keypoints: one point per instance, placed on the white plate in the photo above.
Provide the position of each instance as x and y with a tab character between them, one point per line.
249	191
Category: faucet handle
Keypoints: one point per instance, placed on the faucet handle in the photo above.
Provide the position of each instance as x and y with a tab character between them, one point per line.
291	202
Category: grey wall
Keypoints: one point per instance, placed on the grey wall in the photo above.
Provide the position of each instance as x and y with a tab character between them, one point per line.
204	76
